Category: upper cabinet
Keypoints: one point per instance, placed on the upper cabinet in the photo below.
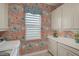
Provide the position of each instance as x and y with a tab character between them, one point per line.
3	17
76	15
56	18
66	17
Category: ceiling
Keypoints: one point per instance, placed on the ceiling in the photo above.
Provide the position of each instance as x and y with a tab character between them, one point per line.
53	4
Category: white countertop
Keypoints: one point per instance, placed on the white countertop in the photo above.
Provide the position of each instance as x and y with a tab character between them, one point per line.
7	45
66	41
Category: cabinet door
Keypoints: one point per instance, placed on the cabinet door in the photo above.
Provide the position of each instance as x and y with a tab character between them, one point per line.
67	16
52	46
65	50
56	18
69	53
61	51
76	15
53	20
3	17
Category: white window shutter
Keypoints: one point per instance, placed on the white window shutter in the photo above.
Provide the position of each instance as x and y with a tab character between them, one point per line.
33	26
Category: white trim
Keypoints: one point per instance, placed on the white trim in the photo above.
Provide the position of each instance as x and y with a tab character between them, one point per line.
35	53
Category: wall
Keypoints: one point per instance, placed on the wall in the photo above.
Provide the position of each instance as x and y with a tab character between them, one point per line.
17	30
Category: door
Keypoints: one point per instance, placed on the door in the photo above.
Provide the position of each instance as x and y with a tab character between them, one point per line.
3	17
56	18
52	46
67	17
65	50
76	15
69	53
61	51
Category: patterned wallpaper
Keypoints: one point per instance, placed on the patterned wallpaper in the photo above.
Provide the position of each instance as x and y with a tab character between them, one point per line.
16	22
17	30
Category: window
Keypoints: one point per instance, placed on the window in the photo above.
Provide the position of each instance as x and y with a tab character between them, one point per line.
33	26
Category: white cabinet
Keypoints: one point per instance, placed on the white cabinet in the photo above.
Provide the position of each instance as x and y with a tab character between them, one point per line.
76	15
61	51
69	53
57	48
52	46
67	17
53	22
70	17
56	18
3	16
62	17
65	50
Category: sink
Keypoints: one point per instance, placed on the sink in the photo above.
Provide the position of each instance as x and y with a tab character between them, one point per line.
3	53
2	42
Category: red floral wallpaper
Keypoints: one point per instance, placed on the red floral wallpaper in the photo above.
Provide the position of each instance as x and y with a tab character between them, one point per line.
17	30
16	25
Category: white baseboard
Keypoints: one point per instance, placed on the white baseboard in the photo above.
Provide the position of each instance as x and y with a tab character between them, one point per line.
36	53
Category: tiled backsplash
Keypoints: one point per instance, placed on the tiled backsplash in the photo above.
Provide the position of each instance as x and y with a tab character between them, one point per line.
67	34
1	33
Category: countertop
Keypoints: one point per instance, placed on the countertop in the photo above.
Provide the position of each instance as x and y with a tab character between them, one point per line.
8	45
66	41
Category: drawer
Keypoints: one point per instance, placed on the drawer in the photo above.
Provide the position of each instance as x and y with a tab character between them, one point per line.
73	50
52	46
71	54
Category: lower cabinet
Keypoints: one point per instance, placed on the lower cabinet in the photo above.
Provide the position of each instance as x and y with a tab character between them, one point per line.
71	54
61	51
64	51
52	47
58	49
